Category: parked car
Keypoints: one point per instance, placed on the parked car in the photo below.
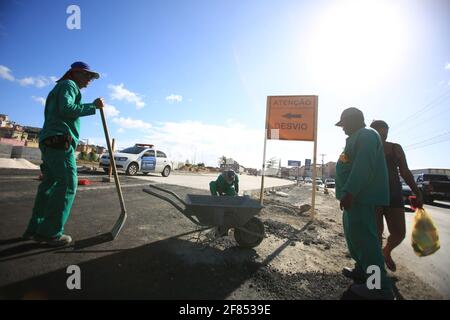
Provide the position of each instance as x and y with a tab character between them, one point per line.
330	183
406	192
139	158
433	187
319	182
308	180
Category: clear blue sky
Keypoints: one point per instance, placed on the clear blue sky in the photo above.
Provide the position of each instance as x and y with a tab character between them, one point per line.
192	76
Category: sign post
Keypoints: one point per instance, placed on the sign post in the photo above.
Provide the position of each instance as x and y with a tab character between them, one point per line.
291	118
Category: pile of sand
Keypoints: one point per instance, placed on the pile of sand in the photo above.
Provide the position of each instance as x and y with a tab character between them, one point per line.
17	163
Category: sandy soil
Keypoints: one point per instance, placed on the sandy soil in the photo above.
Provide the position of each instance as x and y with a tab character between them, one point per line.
303	259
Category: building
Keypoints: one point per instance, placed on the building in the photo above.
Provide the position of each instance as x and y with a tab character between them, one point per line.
15	134
431	171
329	170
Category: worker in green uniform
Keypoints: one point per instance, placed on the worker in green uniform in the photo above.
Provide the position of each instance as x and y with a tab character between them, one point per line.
58	141
361	185
227	184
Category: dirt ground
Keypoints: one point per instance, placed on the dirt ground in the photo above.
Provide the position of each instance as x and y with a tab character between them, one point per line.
303	259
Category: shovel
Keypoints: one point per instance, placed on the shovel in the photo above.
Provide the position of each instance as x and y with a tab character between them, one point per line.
123	215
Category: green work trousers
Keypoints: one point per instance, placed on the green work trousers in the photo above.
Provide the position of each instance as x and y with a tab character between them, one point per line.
55	194
215	190
360	230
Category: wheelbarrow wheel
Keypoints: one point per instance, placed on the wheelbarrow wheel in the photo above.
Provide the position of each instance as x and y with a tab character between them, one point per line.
250	240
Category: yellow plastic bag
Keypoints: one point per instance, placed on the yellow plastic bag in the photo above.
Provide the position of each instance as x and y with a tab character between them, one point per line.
425	237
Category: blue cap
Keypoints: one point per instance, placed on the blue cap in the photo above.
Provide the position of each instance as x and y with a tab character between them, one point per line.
80	65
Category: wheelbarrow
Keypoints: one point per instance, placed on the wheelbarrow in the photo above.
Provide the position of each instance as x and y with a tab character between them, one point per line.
221	212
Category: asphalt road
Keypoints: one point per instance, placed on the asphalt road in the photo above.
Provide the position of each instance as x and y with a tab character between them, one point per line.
433	269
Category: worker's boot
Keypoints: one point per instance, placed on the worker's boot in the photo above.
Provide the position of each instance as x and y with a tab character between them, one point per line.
60	241
354	274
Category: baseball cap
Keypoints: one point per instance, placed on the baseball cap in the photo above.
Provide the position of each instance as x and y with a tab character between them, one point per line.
80	66
353	113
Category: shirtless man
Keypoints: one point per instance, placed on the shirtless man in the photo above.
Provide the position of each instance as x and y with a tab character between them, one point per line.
395	212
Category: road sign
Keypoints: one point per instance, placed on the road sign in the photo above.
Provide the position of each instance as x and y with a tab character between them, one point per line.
291	117
307	164
294	163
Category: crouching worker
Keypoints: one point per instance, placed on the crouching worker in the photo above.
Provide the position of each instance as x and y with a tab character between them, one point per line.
227	184
58	141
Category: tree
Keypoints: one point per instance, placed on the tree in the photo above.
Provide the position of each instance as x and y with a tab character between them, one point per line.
92	156
201	165
83	156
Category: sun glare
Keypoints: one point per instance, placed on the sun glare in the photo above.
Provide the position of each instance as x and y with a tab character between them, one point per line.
356	44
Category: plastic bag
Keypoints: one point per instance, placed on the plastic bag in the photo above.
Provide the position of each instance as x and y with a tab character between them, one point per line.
425	237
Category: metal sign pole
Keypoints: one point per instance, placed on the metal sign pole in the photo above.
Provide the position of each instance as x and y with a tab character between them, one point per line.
261	197
313	200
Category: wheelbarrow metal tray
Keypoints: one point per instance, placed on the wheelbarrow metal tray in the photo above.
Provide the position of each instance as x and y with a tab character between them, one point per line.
226	211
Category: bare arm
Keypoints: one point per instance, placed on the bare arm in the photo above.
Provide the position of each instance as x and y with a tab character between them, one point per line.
405	172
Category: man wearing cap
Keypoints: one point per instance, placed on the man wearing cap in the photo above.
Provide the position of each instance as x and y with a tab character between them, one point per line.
58	141
361	185
227	184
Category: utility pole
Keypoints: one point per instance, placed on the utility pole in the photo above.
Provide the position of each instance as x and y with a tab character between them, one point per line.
322	155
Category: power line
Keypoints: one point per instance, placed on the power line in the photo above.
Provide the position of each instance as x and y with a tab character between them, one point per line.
421	144
436	102
430	144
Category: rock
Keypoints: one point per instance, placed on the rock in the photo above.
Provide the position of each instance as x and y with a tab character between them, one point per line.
281	194
327	247
305	208
292	244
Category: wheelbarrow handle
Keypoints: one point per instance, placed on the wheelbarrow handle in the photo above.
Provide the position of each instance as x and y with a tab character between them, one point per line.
169	192
162	197
167	199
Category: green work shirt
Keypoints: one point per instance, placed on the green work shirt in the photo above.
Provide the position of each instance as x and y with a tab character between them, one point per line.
361	169
63	108
223	185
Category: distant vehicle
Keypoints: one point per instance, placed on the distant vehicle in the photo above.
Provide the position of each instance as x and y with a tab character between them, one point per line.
308	180
433	187
319	182
330	183
139	158
406	192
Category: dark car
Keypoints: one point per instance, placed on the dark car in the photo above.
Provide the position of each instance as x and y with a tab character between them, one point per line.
433	187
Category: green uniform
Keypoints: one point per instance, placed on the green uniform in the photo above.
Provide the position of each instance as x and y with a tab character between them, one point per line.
57	191
222	187
361	170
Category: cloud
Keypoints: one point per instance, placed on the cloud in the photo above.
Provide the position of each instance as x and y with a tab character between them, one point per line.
119	92
174	98
120	130
110	110
38	82
5	73
132	123
447	66
40	100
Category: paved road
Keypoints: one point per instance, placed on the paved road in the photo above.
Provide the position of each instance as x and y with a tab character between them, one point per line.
201	181
434	269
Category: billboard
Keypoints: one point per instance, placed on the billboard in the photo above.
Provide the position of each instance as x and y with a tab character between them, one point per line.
294	163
